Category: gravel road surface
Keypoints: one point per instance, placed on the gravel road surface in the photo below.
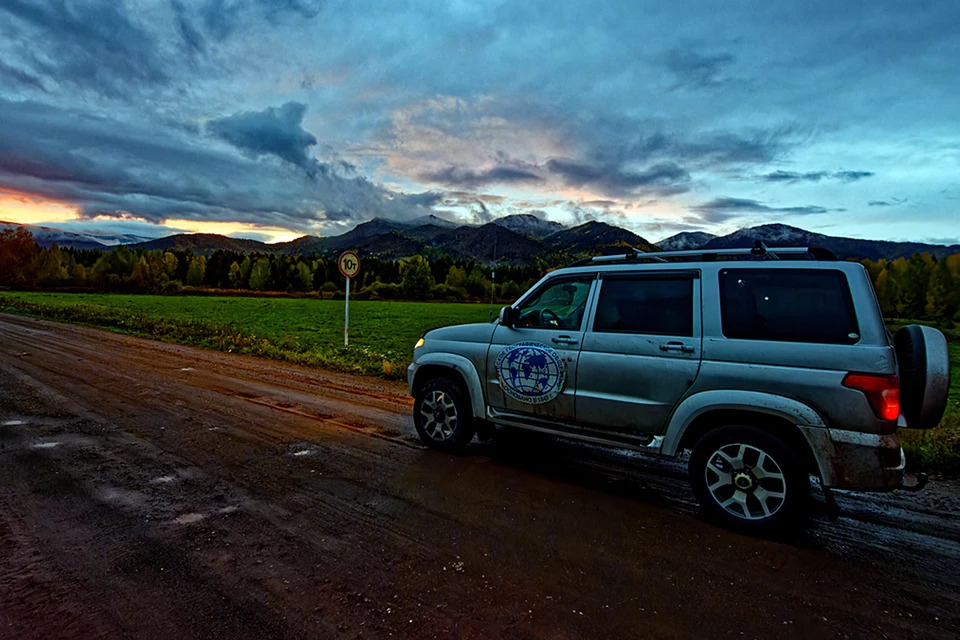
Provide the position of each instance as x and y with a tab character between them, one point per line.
158	491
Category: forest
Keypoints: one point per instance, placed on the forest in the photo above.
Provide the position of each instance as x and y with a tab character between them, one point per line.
24	265
921	287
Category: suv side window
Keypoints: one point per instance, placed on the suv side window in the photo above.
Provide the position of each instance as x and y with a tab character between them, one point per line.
788	305
653	306
559	305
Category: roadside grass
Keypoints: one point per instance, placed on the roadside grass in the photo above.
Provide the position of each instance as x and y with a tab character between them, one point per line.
310	332
303	331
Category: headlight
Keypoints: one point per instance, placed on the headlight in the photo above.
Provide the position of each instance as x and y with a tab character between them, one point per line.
419	343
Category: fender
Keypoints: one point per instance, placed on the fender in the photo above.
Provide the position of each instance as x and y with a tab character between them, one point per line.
467	371
698	404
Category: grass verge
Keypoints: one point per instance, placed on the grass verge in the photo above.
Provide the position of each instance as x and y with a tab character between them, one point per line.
308	332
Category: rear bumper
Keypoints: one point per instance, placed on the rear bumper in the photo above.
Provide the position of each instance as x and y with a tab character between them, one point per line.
857	461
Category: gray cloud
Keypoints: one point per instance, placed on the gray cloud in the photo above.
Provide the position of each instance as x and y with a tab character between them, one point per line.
455	176
15	76
816	176
274	131
96	45
722	209
155	172
664	178
696	69
879	203
221	18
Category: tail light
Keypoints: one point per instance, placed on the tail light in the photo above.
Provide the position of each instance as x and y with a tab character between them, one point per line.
883	393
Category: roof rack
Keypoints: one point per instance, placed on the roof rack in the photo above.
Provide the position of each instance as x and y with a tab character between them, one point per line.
758	250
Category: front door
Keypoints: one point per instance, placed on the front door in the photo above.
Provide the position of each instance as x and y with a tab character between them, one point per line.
532	366
641	352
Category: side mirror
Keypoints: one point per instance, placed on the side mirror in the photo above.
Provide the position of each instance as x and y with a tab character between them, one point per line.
509	316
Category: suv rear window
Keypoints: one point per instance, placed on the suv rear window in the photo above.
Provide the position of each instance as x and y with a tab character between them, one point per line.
789	305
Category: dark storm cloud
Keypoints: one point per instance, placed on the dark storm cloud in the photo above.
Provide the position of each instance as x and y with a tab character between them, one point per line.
664	178
723	209
95	45
696	69
816	176
274	131
156	172
454	176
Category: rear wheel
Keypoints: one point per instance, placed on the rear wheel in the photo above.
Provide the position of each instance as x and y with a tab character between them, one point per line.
441	414
749	480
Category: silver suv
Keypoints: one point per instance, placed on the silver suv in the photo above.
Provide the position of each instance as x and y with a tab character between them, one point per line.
768	365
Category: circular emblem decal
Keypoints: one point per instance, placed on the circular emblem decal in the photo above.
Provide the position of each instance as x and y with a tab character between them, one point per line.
531	372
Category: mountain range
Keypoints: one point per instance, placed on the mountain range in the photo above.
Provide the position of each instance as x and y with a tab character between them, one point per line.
515	240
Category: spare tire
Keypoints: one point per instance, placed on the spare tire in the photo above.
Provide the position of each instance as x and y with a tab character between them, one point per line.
924	363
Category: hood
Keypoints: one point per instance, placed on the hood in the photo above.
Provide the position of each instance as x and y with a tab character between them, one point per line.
480	332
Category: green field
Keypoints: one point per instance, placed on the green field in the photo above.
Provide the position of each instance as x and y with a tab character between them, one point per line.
303	330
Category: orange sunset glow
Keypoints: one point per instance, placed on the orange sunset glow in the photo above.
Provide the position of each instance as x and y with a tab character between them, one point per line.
24	208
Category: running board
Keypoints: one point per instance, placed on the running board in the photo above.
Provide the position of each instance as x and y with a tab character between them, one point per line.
635	443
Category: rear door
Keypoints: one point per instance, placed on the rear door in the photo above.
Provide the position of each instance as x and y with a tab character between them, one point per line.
532	366
641	351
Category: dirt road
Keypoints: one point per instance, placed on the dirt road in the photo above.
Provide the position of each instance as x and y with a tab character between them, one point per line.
158	491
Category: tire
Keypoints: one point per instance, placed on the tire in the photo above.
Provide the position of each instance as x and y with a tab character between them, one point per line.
442	415
735	454
924	375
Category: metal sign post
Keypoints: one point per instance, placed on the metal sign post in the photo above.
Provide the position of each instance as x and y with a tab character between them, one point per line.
349	264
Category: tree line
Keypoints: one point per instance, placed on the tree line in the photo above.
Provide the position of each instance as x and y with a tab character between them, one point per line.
920	287
24	264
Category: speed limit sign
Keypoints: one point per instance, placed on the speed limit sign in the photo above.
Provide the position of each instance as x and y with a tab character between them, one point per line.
349	264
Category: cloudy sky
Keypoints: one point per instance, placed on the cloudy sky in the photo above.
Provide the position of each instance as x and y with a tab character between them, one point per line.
274	118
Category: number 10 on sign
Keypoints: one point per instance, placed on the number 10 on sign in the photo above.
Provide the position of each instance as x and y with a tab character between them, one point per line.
349	265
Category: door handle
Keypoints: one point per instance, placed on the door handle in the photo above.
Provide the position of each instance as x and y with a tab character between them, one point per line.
566	340
677	347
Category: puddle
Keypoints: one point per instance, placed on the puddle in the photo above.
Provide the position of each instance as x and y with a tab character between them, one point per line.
163	480
303	452
189	518
46	445
187	369
230	509
121	497
13	423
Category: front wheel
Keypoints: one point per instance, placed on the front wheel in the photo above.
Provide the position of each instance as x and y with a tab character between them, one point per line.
441	414
749	480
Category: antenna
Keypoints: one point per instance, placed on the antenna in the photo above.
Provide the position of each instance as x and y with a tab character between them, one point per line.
493	269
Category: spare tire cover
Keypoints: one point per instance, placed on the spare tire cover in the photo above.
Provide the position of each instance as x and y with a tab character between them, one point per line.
924	363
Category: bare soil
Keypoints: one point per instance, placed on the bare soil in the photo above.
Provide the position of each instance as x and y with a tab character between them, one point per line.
157	491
